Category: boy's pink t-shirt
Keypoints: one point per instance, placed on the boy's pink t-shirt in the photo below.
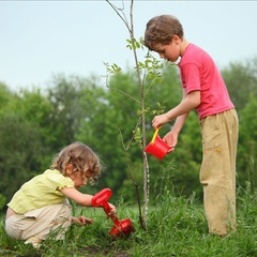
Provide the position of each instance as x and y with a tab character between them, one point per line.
198	72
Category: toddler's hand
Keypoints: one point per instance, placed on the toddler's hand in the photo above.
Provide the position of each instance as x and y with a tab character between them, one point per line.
81	220
112	211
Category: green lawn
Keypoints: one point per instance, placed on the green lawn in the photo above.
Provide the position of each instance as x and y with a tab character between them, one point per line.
175	227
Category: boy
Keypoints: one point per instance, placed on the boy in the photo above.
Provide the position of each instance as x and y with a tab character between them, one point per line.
204	90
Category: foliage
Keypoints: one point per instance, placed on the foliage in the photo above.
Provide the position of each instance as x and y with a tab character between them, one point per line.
247	147
35	125
14	161
2	201
241	81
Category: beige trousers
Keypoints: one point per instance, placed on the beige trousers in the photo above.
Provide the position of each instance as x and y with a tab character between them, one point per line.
218	170
40	223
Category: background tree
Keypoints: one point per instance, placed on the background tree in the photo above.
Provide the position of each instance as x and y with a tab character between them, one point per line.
241	80
20	152
247	147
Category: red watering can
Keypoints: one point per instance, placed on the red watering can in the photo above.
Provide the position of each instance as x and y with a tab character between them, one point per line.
157	147
121	228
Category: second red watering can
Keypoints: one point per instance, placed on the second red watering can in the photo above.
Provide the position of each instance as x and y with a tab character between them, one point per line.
121	228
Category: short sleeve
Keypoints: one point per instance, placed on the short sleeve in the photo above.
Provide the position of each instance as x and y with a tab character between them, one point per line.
58	180
190	77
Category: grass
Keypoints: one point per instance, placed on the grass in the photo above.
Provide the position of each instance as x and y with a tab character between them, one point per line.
175	227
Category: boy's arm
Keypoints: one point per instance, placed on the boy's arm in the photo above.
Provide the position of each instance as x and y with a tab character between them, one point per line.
180	120
189	102
171	138
180	112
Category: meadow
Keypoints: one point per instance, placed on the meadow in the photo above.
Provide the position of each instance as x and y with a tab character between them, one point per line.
176	226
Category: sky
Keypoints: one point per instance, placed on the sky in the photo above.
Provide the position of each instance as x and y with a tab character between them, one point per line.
42	39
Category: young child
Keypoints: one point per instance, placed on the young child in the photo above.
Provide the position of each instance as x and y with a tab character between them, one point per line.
204	90
41	205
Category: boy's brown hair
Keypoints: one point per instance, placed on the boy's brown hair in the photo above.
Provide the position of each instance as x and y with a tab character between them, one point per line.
161	29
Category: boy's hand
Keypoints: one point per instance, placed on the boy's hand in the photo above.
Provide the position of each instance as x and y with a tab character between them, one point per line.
171	139
81	220
160	120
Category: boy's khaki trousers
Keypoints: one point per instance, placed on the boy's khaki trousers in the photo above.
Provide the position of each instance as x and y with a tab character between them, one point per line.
218	170
40	223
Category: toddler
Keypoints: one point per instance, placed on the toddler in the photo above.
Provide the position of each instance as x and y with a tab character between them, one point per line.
41	205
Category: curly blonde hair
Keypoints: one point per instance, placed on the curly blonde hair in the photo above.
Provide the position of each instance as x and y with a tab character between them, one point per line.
81	157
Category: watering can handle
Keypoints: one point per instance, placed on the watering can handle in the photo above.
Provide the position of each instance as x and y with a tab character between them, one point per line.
155	134
100	199
107	210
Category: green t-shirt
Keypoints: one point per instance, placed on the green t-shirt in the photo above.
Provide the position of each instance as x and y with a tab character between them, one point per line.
40	191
